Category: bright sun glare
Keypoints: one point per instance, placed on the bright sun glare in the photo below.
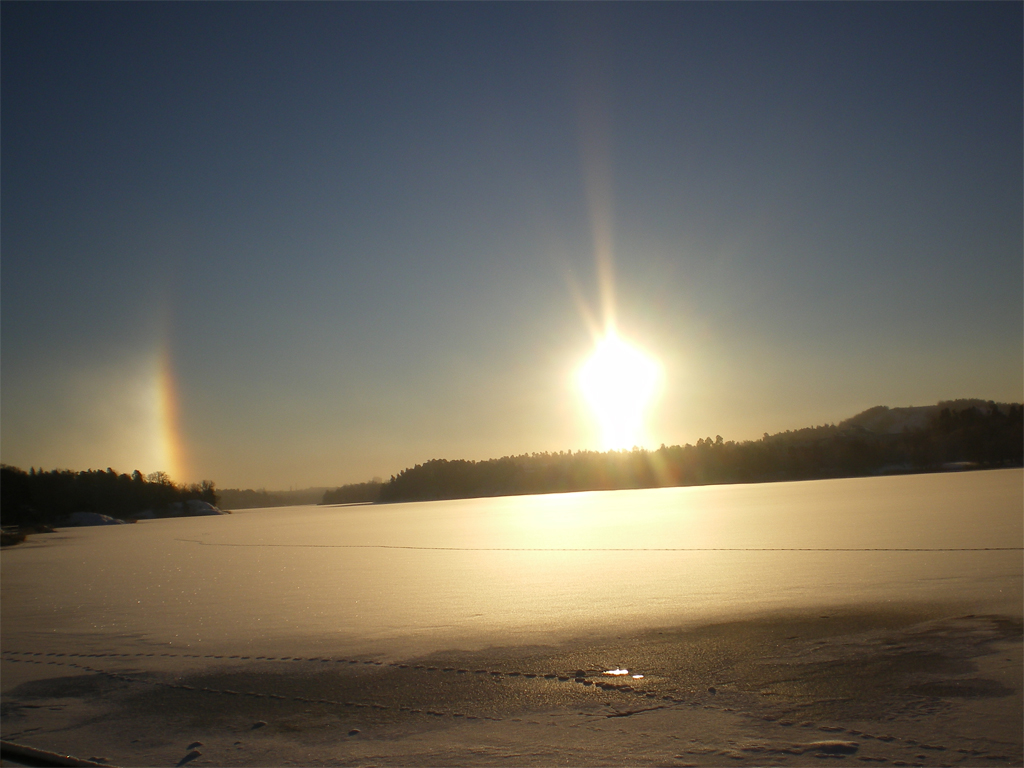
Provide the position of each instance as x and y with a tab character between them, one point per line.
619	382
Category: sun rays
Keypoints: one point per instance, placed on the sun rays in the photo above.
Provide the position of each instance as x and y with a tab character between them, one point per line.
618	381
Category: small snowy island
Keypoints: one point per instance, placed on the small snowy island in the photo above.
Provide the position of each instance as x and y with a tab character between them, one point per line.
39	501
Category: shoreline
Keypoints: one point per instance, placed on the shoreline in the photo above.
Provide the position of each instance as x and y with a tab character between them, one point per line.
950	470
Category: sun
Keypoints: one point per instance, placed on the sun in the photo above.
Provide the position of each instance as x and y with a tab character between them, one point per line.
619	382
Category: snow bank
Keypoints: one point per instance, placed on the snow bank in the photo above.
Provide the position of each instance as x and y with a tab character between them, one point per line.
78	519
192	508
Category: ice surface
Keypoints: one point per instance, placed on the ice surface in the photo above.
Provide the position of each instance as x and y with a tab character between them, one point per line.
468	573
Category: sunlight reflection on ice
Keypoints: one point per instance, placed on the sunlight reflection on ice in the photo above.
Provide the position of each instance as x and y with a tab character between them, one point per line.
431	576
615	672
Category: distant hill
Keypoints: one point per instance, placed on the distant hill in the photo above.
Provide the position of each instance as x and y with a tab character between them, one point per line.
882	420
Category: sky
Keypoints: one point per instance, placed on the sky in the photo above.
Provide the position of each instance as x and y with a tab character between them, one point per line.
280	245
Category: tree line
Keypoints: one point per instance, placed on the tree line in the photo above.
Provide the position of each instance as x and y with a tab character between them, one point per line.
354	493
39	497
951	435
248	498
959	435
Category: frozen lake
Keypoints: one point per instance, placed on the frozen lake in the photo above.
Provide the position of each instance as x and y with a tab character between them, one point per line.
420	577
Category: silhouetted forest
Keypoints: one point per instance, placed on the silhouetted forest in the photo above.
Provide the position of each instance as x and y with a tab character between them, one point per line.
954	435
247	498
43	498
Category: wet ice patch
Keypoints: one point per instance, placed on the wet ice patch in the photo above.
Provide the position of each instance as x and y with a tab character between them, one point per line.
832	747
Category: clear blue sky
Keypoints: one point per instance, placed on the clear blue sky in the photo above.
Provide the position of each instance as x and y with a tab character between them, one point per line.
342	238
